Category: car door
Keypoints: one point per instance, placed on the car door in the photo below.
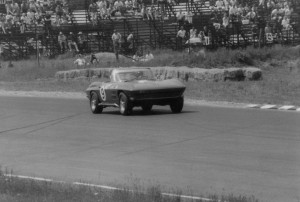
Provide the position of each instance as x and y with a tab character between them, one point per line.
108	93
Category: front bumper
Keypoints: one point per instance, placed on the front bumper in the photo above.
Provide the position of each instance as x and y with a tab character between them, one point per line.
155	97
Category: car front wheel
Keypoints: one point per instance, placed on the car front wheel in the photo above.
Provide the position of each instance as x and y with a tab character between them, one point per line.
94	104
177	105
125	107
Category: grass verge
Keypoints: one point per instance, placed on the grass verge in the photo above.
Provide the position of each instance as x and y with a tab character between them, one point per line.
280	66
14	189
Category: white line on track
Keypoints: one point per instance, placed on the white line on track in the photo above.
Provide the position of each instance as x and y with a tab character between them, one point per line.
269	107
287	107
104	187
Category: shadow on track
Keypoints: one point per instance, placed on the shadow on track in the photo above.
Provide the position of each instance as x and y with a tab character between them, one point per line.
154	112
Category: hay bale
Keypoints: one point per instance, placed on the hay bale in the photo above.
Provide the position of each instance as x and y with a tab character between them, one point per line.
252	73
234	74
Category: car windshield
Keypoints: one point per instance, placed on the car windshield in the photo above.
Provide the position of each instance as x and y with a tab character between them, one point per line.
145	74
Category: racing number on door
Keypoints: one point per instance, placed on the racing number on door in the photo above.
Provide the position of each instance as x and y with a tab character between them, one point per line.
102	93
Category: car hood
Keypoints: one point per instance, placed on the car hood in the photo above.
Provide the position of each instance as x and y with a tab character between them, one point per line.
153	85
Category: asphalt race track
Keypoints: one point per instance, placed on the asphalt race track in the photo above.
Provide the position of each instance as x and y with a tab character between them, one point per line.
205	150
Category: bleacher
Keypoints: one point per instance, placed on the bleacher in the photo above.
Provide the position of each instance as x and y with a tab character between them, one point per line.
150	33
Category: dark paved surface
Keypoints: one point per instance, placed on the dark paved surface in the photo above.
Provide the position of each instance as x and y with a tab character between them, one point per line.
203	149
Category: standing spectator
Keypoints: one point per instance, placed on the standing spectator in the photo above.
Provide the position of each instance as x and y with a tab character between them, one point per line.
23	21
206	35
144	12
275	14
225	20
286	23
39	7
261	26
233	13
2	23
180	37
32	6
82	42
180	17
24	7
59	13
130	42
47	22
9	7
251	16
277	26
62	41
93	12
288	11
72	42
116	39
189	17
119	6
15	9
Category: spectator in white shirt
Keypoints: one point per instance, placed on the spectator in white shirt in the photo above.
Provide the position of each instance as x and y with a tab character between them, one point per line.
149	56
80	61
220	4
180	36
225	20
189	17
288	11
285	23
180	17
193	33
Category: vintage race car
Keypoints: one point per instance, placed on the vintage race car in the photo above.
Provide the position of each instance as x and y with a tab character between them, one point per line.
135	87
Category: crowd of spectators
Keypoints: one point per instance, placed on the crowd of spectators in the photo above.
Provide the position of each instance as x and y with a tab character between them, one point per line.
267	19
23	14
105	9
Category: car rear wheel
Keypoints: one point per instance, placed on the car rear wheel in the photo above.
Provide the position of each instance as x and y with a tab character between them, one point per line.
177	105
146	108
94	104
125	108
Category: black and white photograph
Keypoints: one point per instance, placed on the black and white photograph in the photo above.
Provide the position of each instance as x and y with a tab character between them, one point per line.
149	100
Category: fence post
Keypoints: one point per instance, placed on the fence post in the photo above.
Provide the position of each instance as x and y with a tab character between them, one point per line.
36	46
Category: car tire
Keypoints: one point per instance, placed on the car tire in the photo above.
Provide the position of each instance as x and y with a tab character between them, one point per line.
94	104
177	105
125	107
147	108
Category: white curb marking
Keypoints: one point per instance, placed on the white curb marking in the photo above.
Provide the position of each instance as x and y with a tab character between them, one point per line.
104	187
269	107
253	106
287	107
98	186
